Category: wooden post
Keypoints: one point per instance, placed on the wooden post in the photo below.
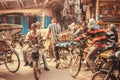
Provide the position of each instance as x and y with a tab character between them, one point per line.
97	9
4	4
18	2
21	3
35	2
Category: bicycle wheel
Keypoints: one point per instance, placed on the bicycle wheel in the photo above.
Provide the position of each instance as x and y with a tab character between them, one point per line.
101	75
100	63
12	61
75	65
36	69
64	54
97	65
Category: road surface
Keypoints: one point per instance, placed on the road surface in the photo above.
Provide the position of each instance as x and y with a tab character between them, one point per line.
26	73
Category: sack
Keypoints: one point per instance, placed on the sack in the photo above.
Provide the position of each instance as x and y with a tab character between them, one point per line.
63	37
48	44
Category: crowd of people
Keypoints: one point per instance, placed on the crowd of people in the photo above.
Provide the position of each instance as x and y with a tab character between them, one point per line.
100	36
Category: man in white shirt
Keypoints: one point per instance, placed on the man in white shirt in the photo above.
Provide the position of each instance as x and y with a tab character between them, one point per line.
34	36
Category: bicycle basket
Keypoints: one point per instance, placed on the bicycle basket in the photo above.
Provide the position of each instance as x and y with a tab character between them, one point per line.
35	56
64	36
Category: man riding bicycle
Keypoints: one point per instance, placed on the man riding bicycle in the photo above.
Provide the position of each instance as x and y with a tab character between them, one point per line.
97	37
34	36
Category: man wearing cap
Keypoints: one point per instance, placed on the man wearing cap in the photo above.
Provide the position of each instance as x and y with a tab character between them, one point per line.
33	35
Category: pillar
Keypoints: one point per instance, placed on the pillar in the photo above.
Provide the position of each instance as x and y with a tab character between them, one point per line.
97	9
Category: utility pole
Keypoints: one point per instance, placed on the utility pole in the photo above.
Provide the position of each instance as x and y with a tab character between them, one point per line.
66	10
78	10
97	9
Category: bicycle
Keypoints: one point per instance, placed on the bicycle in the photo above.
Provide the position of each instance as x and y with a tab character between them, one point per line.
77	58
33	52
112	74
101	61
9	56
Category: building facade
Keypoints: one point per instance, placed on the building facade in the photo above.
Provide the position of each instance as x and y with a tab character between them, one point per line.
25	12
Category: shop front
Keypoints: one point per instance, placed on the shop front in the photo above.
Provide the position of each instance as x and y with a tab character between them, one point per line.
26	18
109	10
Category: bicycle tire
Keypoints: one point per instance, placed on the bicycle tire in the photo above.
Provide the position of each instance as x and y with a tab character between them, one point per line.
9	59
36	69
75	65
64	54
100	75
98	63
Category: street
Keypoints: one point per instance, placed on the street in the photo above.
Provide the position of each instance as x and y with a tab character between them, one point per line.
91	26
26	73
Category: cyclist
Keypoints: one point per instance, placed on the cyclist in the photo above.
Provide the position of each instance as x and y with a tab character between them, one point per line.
33	35
98	38
112	37
82	29
53	30
112	27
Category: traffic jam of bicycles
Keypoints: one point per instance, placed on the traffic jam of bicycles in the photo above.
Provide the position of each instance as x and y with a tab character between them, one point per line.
59	39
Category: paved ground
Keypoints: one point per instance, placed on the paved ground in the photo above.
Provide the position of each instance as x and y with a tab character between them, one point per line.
26	73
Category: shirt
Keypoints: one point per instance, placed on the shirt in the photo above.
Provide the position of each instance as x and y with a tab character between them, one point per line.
98	36
55	29
110	38
31	36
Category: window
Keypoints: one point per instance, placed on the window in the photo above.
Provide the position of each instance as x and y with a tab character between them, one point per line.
32	19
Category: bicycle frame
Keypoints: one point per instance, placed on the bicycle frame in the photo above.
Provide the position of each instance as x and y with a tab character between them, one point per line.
110	72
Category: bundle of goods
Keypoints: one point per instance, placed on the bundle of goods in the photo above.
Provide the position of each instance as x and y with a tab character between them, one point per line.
48	44
66	36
